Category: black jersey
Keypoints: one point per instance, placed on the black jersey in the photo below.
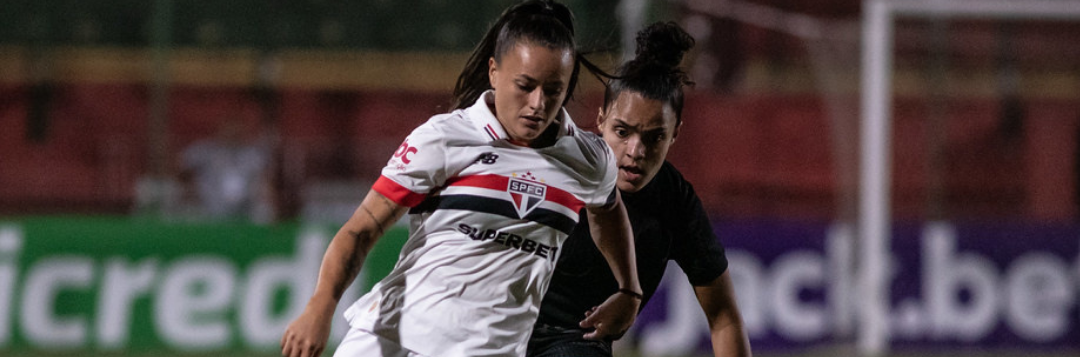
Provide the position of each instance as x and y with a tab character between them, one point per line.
669	223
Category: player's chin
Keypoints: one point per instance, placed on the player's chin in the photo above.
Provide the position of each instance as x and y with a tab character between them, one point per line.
529	132
532	124
628	186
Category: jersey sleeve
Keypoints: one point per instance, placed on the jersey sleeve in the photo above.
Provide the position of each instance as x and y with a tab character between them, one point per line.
606	173
699	254
417	166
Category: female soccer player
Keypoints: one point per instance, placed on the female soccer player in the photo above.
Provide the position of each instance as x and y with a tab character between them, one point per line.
640	119
493	189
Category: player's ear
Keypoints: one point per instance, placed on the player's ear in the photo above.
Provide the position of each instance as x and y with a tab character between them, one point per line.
675	134
600	119
491	71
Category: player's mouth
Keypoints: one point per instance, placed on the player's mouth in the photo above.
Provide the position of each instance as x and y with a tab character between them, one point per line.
631	173
532	121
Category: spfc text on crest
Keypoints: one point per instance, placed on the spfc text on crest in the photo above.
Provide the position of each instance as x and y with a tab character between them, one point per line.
527	195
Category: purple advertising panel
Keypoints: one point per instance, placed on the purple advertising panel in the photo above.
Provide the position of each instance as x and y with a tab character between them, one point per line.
984	285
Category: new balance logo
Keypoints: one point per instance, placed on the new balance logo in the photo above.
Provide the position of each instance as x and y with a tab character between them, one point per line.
488	158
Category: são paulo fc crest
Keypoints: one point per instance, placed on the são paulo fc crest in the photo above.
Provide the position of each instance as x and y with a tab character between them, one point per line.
527	195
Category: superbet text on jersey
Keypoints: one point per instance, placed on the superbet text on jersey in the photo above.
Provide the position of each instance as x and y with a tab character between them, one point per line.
487	219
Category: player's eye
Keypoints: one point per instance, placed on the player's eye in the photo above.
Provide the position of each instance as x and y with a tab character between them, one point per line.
524	86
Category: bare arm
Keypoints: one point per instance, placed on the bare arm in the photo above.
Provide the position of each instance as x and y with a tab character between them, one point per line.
725	323
306	336
610	228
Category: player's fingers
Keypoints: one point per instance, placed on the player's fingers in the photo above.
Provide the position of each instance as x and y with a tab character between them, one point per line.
596	334
286	346
306	350
591	319
313	350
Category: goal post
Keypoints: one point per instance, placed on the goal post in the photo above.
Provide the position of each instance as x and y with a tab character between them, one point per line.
874	216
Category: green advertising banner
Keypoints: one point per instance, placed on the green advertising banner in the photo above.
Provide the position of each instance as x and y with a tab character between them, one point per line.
118	284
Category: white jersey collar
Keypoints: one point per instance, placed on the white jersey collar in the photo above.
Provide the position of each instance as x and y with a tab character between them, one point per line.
487	122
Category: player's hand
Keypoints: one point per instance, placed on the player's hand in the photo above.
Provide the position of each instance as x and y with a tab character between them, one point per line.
306	336
611	319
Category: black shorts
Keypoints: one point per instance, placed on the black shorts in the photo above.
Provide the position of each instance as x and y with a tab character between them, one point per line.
552	341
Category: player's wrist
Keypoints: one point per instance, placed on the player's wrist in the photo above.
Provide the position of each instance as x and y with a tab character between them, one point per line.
322	303
632	293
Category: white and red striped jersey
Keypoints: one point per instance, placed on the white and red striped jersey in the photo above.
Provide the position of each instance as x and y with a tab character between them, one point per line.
486	223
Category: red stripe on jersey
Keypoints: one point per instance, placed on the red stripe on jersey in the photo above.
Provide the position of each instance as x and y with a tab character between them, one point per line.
491	131
397	193
496	182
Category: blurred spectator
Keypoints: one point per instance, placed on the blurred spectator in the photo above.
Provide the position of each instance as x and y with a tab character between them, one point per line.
228	176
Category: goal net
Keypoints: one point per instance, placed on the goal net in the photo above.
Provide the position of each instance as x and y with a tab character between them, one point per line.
988	88
941	111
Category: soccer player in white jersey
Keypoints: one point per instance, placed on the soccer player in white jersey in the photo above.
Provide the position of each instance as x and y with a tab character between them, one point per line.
493	189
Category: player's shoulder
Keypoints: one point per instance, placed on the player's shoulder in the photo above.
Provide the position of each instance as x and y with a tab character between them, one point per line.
670	182
592	145
669	172
454	125
450	120
590	139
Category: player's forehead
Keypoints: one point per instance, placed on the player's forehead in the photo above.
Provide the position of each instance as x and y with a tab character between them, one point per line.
536	64
633	110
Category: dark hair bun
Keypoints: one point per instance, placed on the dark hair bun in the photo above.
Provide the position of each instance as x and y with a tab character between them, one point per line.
662	44
655	71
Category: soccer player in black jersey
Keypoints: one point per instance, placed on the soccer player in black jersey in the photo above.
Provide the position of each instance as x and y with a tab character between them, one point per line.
640	120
